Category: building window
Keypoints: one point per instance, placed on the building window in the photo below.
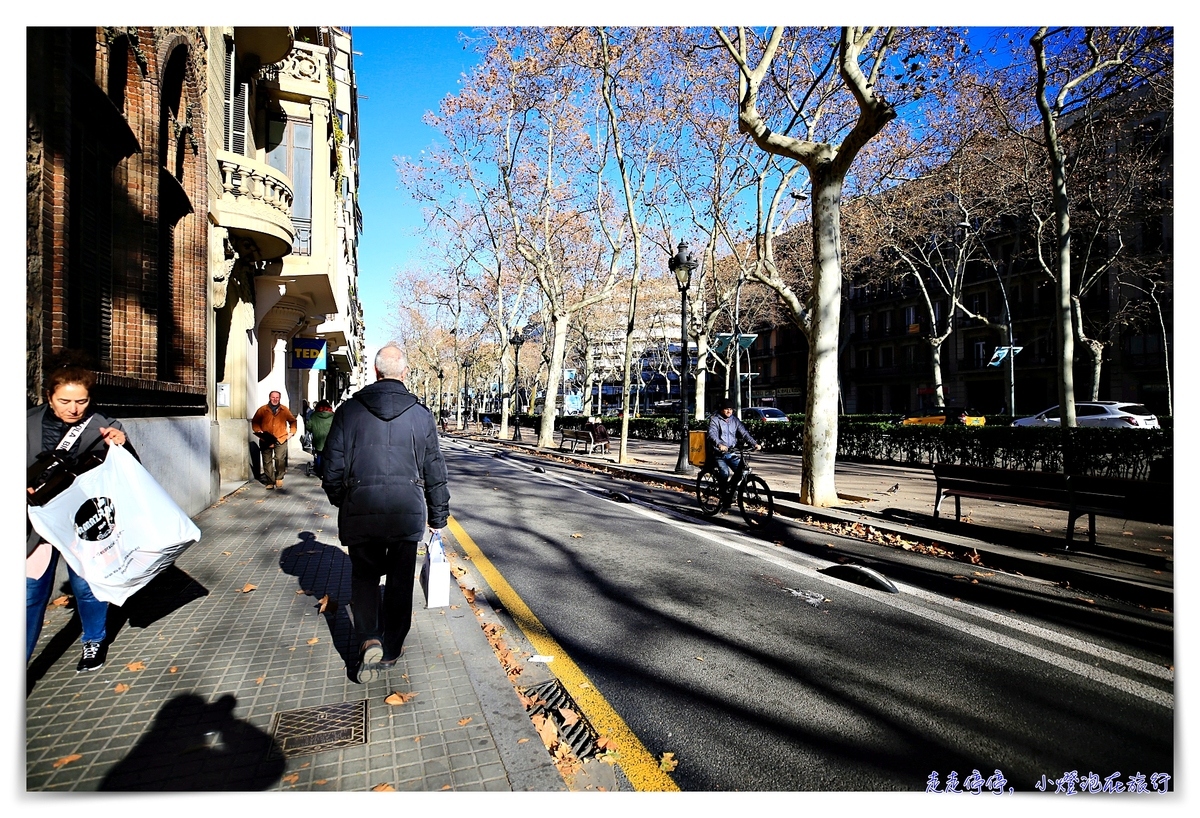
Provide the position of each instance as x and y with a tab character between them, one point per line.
289	150
910	316
886	357
981	354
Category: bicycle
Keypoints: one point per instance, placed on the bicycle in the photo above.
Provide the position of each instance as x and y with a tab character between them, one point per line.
754	496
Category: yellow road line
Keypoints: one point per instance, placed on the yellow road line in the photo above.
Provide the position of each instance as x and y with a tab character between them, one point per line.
638	764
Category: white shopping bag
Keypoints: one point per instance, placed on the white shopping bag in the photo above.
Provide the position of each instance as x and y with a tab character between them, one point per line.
115	526
435	573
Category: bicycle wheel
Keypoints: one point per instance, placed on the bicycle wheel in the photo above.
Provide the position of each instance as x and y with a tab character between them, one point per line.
755	501
708	492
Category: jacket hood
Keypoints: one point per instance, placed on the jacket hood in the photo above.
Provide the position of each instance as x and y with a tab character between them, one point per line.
324	413
386	399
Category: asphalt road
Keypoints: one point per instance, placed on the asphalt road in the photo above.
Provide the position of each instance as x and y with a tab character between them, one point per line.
760	672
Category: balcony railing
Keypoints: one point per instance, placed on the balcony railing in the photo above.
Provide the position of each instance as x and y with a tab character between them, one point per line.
256	200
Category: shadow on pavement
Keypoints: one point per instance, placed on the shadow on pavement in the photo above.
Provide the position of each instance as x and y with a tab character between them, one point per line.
163	595
196	746
324	570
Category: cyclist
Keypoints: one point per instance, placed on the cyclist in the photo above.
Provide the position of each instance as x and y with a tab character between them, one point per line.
725	432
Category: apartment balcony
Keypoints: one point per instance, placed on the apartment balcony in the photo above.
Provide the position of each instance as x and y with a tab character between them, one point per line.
269	44
301	74
255	204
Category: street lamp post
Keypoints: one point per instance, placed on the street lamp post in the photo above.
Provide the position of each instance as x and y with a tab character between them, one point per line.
466	399
682	264
441	395
516	341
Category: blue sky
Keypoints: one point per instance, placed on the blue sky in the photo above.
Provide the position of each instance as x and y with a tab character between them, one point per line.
401	74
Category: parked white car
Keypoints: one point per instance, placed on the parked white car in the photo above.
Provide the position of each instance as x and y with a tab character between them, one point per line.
767	414
1108	413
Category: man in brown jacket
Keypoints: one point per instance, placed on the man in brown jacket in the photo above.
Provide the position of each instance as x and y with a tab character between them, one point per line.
273	423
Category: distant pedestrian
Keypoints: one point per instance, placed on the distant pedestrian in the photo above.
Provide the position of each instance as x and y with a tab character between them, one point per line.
385	472
726	432
273	423
318	424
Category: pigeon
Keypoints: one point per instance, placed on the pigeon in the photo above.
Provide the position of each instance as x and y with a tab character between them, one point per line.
894	489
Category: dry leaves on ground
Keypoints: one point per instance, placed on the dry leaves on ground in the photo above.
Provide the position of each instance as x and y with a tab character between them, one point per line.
121	688
547	730
465	720
248	588
172	669
313	641
383	788
61	601
260	680
67	760
135	666
326	602
291	779
398	698
569	716
668	762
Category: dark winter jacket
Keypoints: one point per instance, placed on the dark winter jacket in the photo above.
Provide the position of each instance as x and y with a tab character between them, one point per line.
384	469
319	424
35	428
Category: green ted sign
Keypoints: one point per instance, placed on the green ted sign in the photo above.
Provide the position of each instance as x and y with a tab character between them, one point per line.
308	353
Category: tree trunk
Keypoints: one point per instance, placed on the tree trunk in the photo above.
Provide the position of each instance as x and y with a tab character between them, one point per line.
559	322
819	450
939	395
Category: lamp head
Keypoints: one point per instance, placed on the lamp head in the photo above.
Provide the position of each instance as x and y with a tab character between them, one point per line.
682	264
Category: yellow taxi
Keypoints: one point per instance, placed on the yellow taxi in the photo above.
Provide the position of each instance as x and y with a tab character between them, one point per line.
952	415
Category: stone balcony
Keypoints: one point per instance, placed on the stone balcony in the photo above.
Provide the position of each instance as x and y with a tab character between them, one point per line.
255	204
301	75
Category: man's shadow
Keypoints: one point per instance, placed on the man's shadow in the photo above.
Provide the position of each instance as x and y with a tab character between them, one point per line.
166	593
324	570
196	746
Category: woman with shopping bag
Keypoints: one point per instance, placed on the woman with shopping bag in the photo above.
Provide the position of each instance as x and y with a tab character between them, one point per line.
68	424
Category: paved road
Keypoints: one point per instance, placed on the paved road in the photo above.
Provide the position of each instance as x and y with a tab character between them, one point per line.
760	672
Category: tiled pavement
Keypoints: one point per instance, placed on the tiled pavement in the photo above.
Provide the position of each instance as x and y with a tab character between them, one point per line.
201	664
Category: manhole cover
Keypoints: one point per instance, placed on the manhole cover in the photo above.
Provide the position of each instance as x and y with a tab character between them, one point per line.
317	729
551	698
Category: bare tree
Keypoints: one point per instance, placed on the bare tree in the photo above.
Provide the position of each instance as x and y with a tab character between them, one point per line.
834	90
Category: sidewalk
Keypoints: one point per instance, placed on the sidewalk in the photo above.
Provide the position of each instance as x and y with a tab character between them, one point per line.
1132	561
205	678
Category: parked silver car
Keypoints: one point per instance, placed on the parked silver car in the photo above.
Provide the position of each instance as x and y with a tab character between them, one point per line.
767	414
1108	413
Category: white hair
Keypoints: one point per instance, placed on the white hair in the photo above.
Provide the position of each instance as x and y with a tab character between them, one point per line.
391	362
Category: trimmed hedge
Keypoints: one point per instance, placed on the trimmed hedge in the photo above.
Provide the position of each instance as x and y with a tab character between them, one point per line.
1101	452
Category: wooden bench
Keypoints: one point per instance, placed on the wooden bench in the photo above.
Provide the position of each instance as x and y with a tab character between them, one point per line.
1076	494
579	437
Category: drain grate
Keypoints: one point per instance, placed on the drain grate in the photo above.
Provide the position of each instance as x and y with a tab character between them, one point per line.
317	729
581	736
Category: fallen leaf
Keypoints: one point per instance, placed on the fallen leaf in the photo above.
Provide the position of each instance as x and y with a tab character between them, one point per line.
399	698
522	740
172	669
321	781
249	588
61	601
383	788
463	722
699	658
260	680
570	717
577	536
667	763
325	603
135	666
417	739
545	729
67	760
121	688
291	779
313	641
227	553
299	593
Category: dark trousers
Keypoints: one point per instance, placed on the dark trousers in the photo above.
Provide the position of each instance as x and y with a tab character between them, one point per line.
369	561
275	462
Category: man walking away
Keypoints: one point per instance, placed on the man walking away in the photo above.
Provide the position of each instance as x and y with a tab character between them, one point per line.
385	472
725	432
319	424
273	423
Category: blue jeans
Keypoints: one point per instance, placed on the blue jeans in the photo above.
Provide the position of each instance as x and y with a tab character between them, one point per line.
728	463
92	612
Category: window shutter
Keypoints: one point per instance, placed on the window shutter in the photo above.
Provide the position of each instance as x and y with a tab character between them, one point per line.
228	94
